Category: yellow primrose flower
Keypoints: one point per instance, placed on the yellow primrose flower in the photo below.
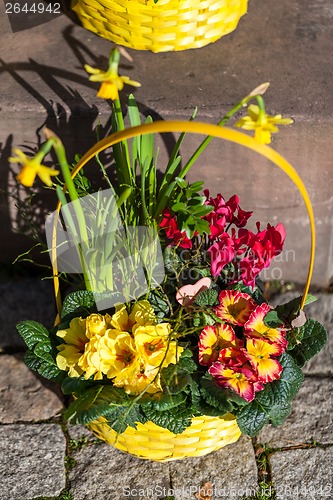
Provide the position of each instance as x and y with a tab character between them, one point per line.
111	82
119	320
142	380
70	352
31	168
263	125
142	314
90	361
118	356
96	324
154	347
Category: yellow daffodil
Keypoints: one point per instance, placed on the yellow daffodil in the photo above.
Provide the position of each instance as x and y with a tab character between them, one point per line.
263	125
31	168
111	82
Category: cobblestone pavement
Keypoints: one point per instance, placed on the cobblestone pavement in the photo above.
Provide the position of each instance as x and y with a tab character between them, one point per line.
41	457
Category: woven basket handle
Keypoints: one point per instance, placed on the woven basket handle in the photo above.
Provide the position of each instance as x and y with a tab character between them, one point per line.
206	130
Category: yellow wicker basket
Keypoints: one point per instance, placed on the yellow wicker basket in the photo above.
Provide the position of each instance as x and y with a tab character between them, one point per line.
206	434
163	26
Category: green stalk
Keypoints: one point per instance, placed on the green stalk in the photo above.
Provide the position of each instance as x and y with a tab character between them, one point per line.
65	170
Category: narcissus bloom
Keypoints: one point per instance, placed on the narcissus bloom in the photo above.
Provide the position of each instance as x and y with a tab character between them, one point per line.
263	125
111	82
242	380
235	307
212	339
31	168
255	328
259	354
71	351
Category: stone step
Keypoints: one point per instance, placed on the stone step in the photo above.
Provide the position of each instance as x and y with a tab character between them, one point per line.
288	43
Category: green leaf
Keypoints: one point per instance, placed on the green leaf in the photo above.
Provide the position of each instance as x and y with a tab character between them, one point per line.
314	337
176	420
51	372
273	403
32	332
95	402
288	385
214	395
172	382
278	414
207	298
252	418
74	302
159	304
120	417
77	385
290	310
32	361
161	401
272	320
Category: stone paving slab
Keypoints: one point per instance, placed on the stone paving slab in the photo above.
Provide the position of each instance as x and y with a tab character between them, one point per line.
22	299
311	418
233	469
303	474
104	473
31	461
25	397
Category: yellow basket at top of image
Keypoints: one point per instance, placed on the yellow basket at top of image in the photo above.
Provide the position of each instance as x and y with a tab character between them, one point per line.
163	26
206	433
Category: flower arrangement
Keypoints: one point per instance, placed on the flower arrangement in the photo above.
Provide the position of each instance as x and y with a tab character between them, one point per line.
200	339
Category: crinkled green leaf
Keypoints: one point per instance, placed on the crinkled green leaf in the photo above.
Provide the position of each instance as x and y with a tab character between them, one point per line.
252	418
51	372
207	298
314	337
214	395
31	360
159	304
121	417
176	420
32	332
161	401
94	403
278	414
76	301
273	403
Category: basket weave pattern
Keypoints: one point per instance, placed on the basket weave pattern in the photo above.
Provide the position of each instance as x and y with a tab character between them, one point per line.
164	26
149	441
